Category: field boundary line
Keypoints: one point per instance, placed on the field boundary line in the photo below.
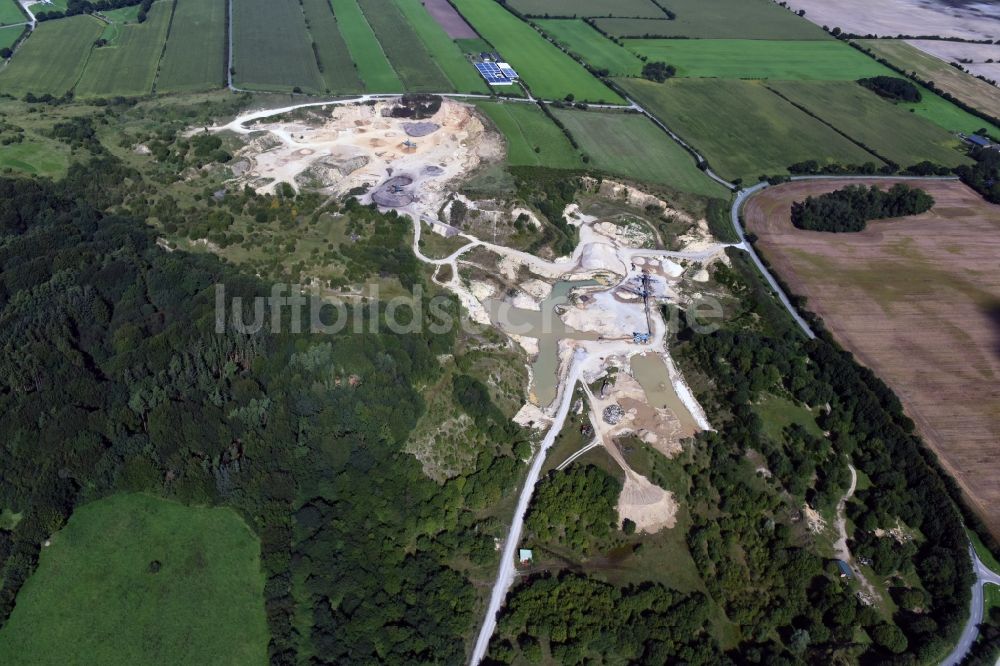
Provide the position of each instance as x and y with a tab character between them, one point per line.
86	61
163	51
847	136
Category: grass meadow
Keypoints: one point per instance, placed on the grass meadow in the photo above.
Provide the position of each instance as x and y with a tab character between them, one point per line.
128	66
52	58
338	70
10	13
760	59
404	48
272	48
550	73
719	19
373	66
9	35
532	138
584	8
194	58
443	50
90	599
890	130
743	129
631	145
596	50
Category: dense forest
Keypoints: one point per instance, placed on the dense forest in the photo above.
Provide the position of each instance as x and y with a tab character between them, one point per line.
574	508
848	209
114	378
892	87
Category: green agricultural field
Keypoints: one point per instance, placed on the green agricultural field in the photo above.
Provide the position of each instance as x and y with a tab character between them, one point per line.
135	579
404	48
631	145
9	35
550	73
128	67
889	130
369	58
445	51
52	58
10	13
597	50
719	19
195	56
971	90
335	64
742	128
272	49
532	138
943	113
584	8
760	59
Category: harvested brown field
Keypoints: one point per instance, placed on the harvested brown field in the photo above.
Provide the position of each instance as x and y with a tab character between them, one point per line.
918	301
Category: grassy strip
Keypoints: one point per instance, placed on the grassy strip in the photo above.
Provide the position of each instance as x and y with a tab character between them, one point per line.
128	67
333	59
90	599
740	127
760	59
719	19
631	145
550	73
594	48
532	139
194	58
582	8
442	48
404	48
369	58
272	49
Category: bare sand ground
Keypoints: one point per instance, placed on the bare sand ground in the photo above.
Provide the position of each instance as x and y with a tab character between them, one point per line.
918	301
966	20
957	51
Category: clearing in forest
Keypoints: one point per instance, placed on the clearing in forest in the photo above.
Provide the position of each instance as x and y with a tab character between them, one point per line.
89	600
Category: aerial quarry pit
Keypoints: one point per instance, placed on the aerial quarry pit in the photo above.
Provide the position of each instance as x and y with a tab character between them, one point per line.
600	305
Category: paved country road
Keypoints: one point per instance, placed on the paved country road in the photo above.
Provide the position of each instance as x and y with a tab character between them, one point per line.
984	575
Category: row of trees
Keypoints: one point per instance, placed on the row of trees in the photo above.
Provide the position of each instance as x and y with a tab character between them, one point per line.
850	208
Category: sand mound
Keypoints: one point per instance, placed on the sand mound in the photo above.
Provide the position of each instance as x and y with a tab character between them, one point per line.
650	507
